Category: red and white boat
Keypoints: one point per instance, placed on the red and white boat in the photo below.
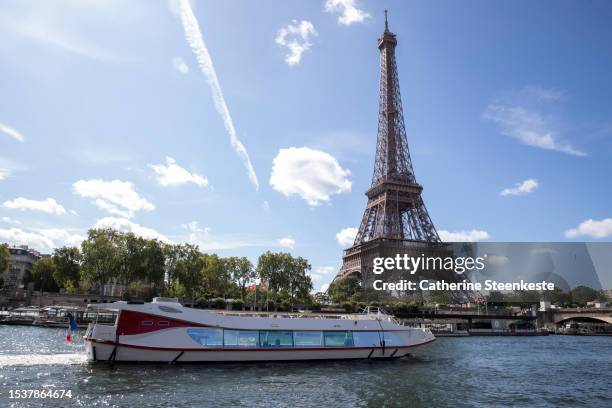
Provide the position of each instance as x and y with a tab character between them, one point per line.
165	331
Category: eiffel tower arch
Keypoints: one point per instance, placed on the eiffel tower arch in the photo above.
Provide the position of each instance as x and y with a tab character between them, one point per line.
395	220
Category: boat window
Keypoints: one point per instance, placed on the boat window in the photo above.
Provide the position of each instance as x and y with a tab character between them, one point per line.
230	337
241	338
366	339
207	337
248	338
338	339
163	323
393	339
308	338
146	323
276	338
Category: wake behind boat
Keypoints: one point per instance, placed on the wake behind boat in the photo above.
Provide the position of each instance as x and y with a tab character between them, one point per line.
165	331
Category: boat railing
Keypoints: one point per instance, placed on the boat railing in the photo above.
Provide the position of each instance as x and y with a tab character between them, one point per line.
368	313
374	313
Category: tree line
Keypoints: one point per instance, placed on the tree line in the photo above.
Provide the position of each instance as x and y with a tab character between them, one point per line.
349	290
148	267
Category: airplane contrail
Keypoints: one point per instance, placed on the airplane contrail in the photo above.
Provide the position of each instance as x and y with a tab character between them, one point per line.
196	42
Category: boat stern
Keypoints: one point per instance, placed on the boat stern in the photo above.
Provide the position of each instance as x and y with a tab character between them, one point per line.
100	341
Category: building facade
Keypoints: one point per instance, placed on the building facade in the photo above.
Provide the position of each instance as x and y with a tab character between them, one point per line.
20	263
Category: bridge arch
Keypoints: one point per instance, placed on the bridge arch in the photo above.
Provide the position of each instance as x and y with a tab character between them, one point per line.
585	319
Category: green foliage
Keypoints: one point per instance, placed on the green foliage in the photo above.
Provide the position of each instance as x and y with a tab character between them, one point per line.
284	273
4	255
441	297
67	262
583	294
102	256
242	273
218	303
185	262
496	297
214	276
559	297
148	267
42	275
345	289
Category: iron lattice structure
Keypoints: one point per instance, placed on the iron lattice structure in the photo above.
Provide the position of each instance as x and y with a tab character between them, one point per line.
395	219
395	208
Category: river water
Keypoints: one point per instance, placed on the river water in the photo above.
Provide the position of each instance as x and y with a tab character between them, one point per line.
550	371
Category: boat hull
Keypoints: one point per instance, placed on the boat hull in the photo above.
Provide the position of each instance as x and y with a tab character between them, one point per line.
109	352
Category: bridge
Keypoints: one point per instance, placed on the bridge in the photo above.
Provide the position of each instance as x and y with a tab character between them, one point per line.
559	316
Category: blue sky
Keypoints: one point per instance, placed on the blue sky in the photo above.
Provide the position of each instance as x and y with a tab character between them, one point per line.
108	118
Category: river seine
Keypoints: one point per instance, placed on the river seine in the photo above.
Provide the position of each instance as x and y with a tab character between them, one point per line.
549	371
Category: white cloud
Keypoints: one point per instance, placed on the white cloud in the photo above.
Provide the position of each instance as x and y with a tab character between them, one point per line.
528	127
4	173
544	94
346	237
125	225
311	174
287	242
49	205
296	38
463	236
265	205
521	188
112	209
9	220
324	288
592	228
117	197
44	240
348	10
39	27
194	226
9	131
198	46
196	233
171	174
180	65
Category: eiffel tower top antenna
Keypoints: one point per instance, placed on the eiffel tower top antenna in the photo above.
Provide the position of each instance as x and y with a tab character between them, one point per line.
386	22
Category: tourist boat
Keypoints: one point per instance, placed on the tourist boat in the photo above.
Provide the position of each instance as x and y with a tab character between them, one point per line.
166	331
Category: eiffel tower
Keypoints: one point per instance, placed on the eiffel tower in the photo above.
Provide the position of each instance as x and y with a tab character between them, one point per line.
395	219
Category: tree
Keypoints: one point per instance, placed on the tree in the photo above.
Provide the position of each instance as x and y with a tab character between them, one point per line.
185	263
215	278
583	294
300	284
272	268
344	289
42	275
101	256
242	273
142	263
4	256
285	276
559	297
441	297
496	297
67	262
